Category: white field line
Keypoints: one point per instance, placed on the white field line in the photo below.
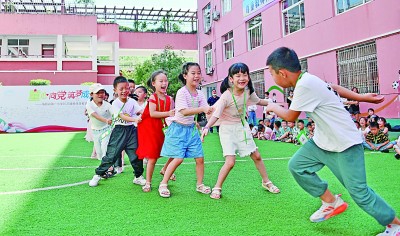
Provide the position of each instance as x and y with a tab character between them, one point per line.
43	189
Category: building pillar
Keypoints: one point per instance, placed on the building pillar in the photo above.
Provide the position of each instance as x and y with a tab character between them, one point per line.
60	49
116	57
93	54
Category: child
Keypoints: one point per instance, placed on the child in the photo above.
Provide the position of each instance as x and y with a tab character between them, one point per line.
376	139
383	126
99	112
268	130
123	136
301	136
182	139
396	148
336	142
141	93
235	137
310	128
261	132
150	129
254	130
277	131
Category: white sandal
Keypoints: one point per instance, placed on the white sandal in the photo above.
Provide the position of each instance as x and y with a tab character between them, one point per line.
216	193
272	188
203	189
164	191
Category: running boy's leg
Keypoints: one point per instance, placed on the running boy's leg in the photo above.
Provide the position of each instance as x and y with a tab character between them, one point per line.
114	149
131	146
349	167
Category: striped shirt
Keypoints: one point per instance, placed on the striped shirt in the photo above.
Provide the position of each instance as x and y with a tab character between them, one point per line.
380	137
186	100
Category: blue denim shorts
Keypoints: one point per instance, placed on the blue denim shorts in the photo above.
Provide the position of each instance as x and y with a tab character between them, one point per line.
182	141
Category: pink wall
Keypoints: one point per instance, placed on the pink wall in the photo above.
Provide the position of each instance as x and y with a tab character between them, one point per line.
56	78
105	79
47	24
105	70
77	65
137	40
28	65
107	32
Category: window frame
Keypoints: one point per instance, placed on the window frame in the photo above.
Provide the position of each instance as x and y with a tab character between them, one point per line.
250	30
349	9
258	78
228	42
20	48
226	6
207	18
208	58
285	10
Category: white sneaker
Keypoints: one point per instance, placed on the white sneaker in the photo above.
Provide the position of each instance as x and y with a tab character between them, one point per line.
328	210
139	180
391	230
94	181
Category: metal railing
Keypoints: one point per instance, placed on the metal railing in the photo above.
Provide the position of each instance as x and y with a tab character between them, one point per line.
45	7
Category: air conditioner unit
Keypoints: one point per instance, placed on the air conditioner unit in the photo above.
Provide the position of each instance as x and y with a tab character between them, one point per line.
215	15
209	70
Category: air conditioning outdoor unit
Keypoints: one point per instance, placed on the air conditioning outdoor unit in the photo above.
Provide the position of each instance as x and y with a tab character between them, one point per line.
215	15
209	70
208	30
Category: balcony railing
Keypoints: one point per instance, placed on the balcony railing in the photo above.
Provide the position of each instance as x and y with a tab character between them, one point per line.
46	7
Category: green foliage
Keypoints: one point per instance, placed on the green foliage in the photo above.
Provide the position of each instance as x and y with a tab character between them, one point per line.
84	1
39	82
168	60
87	83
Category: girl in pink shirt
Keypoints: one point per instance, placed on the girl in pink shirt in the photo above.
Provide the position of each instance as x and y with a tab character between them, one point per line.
182	139
234	133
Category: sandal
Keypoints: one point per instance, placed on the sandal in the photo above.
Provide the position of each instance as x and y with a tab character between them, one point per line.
272	188
147	187
203	189
164	191
216	193
173	176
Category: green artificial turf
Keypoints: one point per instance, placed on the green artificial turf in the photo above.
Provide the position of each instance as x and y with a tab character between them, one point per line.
117	207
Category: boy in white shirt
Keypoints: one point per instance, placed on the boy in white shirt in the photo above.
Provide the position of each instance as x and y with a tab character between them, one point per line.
99	112
337	146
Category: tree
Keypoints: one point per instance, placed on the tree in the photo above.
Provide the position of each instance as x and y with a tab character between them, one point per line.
168	60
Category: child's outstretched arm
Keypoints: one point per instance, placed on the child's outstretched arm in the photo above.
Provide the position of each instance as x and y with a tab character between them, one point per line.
130	119
159	114
285	114
100	118
210	123
367	97
193	111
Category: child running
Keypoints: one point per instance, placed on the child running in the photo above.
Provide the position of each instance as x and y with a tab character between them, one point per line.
150	129
338	147
123	136
234	132
182	139
99	112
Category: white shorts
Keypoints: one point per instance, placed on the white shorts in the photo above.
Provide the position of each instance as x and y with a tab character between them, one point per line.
233	141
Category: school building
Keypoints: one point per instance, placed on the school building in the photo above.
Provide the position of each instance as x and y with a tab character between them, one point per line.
72	44
354	43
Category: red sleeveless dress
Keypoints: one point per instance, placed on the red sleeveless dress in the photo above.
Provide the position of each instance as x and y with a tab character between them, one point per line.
150	133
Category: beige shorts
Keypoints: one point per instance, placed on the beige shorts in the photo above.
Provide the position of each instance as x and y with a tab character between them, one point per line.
233	141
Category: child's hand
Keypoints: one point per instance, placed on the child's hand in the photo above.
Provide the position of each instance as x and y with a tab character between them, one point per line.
271	107
137	120
204	133
109	121
171	113
208	110
373	98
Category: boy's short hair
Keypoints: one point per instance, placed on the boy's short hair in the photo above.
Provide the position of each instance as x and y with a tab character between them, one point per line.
260	127
278	123
284	58
119	79
373	125
300	121
371	109
131	81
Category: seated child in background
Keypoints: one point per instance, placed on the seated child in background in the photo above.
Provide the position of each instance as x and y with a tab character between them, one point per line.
301	137
285	130
382	125
254	130
396	148
310	128
376	139
260	132
277	132
293	132
268	130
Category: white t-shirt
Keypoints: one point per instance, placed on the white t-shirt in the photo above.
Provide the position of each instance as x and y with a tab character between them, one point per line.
334	129
130	109
105	111
252	108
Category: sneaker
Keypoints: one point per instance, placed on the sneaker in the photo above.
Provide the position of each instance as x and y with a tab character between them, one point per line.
139	180
393	230
397	156
329	210
94	181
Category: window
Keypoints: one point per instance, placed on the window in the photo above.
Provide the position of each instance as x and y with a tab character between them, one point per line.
226	6
345	5
293	15
228	45
254	32
1	44
304	68
208	59
257	77
18	47
357	67
207	18
48	50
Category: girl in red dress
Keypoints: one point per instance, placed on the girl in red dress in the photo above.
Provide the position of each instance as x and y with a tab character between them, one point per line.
150	129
